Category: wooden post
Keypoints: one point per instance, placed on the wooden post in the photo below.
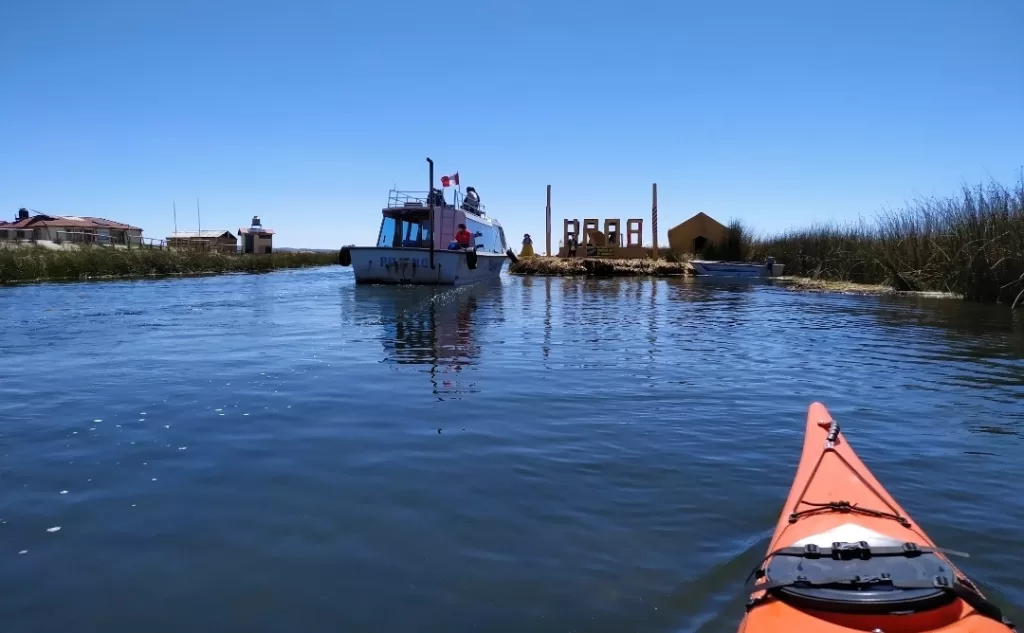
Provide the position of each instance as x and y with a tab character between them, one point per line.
656	254
547	240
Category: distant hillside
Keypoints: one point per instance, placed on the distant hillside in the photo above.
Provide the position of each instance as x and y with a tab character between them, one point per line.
289	249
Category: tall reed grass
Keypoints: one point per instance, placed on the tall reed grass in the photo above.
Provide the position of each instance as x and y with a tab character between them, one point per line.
737	247
35	263
970	244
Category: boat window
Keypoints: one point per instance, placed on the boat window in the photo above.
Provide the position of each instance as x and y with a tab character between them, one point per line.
416	233
504	244
387	232
488	240
410	234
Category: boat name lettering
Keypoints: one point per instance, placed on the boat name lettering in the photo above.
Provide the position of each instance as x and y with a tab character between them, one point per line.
415	261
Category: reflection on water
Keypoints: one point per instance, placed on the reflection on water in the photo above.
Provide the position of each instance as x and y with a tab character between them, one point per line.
434	328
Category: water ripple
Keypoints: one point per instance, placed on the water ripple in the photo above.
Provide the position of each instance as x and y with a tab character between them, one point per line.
290	451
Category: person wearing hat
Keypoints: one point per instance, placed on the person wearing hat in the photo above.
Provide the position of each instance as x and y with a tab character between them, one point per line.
527	246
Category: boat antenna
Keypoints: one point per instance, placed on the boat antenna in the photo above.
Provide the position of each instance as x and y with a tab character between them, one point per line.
174	205
430	201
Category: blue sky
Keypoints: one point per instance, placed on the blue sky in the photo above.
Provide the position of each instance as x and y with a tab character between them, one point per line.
307	112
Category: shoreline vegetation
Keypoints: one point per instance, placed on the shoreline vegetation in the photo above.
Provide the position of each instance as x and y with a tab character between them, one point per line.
33	264
594	267
970	246
598	267
806	284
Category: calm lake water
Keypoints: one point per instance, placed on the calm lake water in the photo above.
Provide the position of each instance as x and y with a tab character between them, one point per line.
290	452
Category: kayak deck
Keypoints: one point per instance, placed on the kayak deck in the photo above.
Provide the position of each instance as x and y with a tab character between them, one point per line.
845	556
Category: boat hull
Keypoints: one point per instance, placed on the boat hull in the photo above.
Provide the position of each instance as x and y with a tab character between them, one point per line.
705	268
411	266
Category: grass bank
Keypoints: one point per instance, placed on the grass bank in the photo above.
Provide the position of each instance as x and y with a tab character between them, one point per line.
970	245
594	267
42	264
806	284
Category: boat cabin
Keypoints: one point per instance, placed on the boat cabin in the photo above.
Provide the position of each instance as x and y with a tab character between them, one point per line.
406	222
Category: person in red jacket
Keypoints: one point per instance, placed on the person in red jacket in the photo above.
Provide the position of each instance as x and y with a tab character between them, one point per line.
463	237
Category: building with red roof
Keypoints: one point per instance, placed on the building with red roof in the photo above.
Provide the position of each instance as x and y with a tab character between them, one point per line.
68	228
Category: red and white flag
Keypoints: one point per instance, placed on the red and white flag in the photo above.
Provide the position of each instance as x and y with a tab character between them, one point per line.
448	181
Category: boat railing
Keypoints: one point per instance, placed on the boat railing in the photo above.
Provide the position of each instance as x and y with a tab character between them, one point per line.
398	199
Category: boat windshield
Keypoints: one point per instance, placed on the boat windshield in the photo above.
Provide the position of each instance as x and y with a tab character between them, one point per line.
406	230
490	239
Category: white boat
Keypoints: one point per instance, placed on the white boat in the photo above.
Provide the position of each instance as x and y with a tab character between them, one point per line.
415	244
707	268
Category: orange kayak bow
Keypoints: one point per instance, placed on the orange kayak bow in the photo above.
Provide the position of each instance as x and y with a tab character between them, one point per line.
846	557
